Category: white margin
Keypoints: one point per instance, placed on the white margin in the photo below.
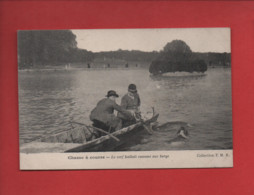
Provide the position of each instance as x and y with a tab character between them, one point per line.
127	160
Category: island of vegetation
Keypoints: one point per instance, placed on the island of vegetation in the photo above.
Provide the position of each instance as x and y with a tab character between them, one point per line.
177	56
47	49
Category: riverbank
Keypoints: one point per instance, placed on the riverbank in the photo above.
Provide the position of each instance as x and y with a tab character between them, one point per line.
70	68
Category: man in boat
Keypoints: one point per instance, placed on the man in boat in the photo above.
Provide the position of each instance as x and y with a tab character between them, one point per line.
103	114
131	102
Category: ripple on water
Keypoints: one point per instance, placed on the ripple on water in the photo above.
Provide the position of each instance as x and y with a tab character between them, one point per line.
49	100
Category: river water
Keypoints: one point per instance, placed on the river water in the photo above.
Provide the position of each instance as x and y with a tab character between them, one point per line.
48	100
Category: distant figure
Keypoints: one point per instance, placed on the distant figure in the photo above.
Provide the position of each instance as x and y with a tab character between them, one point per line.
136	65
126	65
108	65
131	102
103	114
88	65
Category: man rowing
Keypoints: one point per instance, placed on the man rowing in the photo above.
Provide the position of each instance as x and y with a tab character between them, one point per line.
103	114
131	102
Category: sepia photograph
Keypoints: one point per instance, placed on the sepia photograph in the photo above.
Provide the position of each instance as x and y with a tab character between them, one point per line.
125	98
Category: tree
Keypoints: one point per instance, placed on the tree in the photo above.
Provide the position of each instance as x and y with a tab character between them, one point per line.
40	47
176	51
177	56
177	46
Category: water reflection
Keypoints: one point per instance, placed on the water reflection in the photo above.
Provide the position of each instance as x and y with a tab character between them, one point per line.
49	100
179	77
175	82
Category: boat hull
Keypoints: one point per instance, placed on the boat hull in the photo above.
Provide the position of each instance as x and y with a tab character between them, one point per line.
104	143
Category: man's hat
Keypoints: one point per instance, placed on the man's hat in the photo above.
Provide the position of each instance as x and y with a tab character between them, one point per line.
112	93
132	88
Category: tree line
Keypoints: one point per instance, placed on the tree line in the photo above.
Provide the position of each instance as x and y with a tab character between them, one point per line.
126	55
177	56
46	48
40	48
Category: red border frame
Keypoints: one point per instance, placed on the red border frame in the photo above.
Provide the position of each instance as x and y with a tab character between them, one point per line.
15	15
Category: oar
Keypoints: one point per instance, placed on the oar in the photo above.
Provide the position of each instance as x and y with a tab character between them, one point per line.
98	129
148	129
114	137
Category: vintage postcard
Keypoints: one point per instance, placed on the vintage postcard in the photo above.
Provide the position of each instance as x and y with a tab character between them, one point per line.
125	98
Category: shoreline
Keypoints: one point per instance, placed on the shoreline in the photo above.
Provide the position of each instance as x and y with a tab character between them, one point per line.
69	69
101	68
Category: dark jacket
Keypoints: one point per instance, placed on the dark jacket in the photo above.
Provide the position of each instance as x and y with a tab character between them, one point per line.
104	112
130	103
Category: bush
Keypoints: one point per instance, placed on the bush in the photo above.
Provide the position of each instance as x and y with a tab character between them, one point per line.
177	56
159	67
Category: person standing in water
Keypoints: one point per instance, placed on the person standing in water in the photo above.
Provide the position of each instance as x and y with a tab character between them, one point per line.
103	114
131	102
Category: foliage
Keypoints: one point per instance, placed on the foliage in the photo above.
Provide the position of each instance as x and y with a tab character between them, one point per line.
222	59
177	56
158	67
47	47
126	55
39	48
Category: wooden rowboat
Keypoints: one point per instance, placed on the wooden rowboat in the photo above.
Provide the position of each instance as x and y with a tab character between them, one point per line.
80	139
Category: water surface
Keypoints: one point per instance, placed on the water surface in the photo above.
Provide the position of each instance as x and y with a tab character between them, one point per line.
48	100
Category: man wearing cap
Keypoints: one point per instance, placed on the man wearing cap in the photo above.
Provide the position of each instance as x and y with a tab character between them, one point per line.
131	102
103	114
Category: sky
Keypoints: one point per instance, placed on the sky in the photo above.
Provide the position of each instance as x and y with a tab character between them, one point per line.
198	39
